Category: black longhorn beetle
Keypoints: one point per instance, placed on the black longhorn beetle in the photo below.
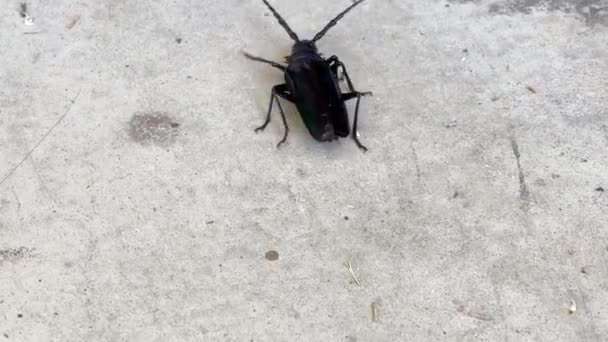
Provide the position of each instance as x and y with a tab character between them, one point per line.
311	82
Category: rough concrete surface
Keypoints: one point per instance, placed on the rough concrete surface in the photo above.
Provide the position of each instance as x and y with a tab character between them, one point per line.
137	203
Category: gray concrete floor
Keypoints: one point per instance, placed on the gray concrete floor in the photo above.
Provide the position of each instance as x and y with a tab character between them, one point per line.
137	204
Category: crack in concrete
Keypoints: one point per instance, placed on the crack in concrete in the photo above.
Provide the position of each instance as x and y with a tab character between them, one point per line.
416	161
10	173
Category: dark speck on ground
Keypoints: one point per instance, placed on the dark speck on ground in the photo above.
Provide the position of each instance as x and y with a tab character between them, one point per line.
272	255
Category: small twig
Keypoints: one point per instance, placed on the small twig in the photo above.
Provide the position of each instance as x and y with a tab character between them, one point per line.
352	273
572	308
375	311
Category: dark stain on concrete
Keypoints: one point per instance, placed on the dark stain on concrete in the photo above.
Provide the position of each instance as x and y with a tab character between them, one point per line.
592	12
15	254
153	128
272	255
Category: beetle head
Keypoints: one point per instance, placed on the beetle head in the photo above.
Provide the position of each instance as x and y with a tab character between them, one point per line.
304	47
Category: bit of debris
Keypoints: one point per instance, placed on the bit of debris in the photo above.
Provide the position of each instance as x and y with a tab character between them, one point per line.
572	308
23	10
15	254
352	273
450	124
495	98
572	251
272	255
178	40
375	311
599	189
27	19
530	89
73	22
210	222
584	270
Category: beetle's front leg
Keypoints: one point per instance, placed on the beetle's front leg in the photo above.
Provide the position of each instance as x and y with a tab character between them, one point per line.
280	90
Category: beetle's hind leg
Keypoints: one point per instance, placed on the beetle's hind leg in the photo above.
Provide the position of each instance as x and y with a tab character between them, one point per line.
334	64
349	96
278	90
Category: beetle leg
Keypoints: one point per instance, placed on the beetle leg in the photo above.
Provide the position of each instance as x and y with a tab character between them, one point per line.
262	60
356	120
278	90
334	64
356	95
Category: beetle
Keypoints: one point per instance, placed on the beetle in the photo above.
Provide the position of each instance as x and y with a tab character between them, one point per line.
311	83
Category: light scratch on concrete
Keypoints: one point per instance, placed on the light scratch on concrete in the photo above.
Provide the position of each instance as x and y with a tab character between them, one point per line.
18	202
10	173
416	162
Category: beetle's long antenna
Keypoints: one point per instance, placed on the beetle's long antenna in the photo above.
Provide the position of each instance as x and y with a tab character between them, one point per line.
334	21
282	21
